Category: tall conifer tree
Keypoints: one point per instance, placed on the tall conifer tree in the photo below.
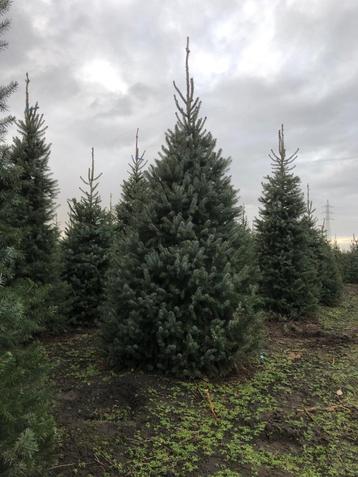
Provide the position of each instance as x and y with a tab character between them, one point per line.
288	274
179	297
34	215
85	251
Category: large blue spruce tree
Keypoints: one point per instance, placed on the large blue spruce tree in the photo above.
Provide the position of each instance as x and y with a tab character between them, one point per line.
180	297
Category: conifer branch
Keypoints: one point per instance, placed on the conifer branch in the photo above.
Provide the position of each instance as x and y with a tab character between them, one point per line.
188	107
189	81
280	161
179	92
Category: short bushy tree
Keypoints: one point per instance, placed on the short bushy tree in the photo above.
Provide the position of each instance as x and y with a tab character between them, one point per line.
330	276
179	295
85	252
288	274
27	429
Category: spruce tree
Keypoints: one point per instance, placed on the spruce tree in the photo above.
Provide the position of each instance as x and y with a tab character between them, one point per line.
35	213
85	252
338	254
180	298
351	262
134	191
328	285
9	199
27	429
330	276
288	274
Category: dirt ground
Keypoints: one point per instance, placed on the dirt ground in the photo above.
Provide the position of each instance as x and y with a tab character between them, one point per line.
291	411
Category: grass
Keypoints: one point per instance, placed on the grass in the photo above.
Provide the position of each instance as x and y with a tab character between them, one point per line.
291	412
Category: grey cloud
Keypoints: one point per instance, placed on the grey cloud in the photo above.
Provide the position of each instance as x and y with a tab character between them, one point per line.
312	88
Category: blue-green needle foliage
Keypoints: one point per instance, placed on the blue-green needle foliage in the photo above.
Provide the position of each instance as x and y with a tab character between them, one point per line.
288	273
328	284
34	214
134	192
180	292
85	252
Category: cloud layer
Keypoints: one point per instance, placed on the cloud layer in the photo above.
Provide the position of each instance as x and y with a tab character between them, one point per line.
102	68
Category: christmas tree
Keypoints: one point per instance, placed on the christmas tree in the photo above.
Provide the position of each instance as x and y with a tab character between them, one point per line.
8	174
35	212
134	191
85	251
27	429
288	273
180	299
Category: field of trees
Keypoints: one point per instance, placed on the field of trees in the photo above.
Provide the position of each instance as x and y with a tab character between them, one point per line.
290	412
165	337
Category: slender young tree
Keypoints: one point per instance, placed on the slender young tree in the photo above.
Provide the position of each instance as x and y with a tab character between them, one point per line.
134	190
288	274
34	215
179	295
85	251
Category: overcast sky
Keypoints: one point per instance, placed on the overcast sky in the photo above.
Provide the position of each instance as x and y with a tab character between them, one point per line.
101	68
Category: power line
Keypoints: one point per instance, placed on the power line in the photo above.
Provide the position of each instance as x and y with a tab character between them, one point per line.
330	159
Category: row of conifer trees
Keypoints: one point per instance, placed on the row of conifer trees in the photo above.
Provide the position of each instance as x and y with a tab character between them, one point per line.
174	277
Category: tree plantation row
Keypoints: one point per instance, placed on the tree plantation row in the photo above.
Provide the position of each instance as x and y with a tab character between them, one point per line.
173	277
